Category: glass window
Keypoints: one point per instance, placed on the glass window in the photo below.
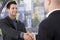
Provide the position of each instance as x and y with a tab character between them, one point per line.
31	12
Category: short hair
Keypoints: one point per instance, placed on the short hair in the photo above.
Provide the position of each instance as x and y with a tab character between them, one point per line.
11	2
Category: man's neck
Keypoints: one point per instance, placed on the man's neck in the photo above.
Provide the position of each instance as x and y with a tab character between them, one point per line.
53	7
12	18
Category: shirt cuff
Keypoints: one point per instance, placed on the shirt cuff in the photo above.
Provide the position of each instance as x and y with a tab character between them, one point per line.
21	34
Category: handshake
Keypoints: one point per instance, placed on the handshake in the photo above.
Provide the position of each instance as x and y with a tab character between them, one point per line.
28	36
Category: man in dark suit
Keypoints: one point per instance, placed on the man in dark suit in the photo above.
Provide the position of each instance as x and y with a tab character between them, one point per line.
49	29
13	29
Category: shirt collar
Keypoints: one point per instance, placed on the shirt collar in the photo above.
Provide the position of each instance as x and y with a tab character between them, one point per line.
51	12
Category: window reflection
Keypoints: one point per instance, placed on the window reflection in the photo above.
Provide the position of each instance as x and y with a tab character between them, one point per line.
31	13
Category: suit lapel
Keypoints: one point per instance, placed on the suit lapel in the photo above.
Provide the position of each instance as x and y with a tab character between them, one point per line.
10	22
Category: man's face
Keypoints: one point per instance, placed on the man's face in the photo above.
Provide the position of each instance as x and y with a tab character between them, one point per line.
12	11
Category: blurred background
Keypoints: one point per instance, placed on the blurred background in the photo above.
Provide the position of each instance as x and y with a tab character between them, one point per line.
30	12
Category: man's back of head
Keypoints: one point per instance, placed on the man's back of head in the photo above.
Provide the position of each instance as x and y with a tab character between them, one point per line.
51	5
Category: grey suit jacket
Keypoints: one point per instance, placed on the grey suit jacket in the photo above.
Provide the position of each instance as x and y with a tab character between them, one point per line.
9	31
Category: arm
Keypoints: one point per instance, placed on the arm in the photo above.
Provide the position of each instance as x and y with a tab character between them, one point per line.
9	31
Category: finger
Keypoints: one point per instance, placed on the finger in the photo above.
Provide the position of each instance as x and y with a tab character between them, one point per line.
29	38
31	35
25	39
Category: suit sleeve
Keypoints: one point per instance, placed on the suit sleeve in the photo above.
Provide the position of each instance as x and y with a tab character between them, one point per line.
9	31
22	26
46	30
24	29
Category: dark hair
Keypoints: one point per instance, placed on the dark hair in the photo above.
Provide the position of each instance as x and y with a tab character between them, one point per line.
12	2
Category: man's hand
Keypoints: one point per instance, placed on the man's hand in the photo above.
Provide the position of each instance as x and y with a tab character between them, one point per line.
28	36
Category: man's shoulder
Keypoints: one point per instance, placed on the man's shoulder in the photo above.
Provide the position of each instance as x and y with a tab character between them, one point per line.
3	20
47	21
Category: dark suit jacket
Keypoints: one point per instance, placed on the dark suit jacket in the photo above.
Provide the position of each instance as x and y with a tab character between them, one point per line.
9	31
49	29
